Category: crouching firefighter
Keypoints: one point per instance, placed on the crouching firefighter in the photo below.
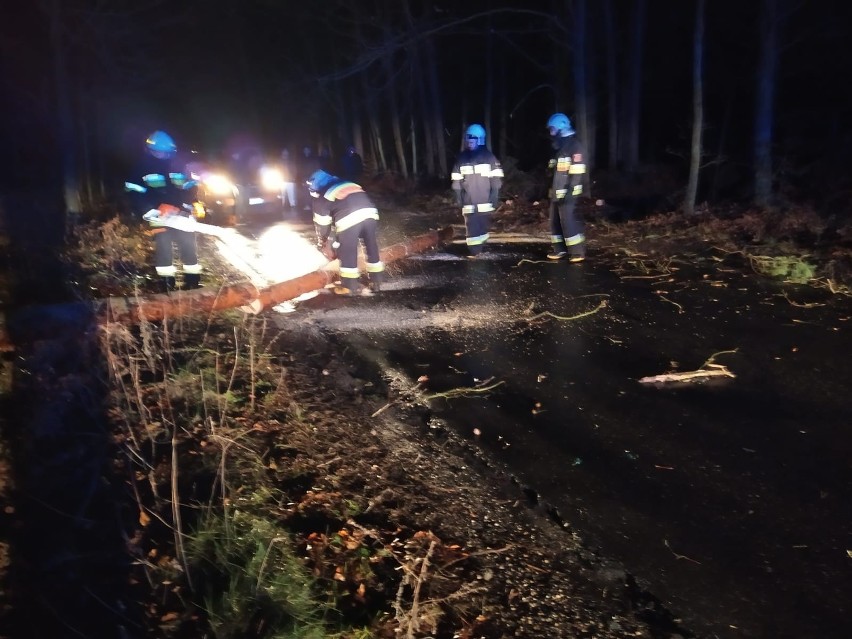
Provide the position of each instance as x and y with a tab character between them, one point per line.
161	186
342	207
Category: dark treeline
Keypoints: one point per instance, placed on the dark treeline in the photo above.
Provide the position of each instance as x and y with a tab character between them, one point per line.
761	82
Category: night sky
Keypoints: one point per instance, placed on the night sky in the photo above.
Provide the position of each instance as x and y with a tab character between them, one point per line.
294	73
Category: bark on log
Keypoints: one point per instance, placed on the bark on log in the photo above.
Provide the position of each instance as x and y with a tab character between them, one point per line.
202	301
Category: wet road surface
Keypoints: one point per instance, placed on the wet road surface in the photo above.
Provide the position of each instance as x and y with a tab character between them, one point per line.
730	501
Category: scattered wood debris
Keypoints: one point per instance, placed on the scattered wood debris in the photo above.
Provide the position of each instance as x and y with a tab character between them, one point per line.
706	370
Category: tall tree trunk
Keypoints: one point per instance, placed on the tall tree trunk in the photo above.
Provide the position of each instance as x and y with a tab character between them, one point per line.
69	170
415	169
503	127
612	85
634	95
396	125
719	162
767	72
375	160
423	102
437	111
355	131
697	109
581	84
489	85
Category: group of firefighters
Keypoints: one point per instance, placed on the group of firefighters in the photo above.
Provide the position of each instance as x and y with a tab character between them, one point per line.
343	213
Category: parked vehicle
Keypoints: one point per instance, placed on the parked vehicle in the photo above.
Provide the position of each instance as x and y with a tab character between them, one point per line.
243	190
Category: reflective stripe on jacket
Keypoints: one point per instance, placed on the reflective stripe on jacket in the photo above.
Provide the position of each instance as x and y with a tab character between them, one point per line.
478	176
568	166
341	206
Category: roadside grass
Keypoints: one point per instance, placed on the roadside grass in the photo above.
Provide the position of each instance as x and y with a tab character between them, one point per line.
193	423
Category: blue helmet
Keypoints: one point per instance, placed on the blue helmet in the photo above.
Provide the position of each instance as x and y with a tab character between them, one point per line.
475	132
559	125
318	180
162	143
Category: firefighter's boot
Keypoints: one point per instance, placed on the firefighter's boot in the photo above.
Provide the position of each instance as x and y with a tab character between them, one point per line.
376	280
191	281
167	284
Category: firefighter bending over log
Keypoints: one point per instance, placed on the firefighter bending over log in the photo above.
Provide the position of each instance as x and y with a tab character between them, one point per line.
344	216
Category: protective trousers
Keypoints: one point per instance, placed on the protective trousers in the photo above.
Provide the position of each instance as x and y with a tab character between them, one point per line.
476	227
567	228
164	241
347	253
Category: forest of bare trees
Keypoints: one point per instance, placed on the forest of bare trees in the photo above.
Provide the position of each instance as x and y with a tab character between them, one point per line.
705	88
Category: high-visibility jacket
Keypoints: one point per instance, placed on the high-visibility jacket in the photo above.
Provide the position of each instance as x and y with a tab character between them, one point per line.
568	166
340	206
476	178
158	181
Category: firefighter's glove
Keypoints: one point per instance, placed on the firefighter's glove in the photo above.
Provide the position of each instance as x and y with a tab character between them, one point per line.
153	218
459	198
494	198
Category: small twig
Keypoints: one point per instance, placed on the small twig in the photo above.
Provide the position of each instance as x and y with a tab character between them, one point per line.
479	553
603	304
801	305
391	403
537	569
463	391
528	261
643	277
678	556
710	360
666	299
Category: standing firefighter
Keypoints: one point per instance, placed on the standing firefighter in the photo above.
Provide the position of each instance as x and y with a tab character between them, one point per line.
164	190
342	207
568	164
477	177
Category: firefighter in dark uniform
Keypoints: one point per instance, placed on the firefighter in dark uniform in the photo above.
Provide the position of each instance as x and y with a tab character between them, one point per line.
343	209
567	229
161	188
476	178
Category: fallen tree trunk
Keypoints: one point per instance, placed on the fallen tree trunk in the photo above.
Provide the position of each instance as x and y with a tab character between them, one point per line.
202	301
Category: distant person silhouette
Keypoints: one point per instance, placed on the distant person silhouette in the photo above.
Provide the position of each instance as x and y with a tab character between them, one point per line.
351	165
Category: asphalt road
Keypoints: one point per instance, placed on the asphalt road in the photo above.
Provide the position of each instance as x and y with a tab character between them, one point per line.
729	500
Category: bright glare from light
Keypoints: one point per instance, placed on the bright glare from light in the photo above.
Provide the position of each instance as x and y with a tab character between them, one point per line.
279	255
283	255
219	184
271	178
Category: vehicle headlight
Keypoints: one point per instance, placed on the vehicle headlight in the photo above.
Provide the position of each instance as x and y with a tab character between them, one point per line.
219	185
271	179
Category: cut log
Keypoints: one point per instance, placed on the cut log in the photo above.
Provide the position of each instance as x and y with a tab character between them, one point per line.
202	301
